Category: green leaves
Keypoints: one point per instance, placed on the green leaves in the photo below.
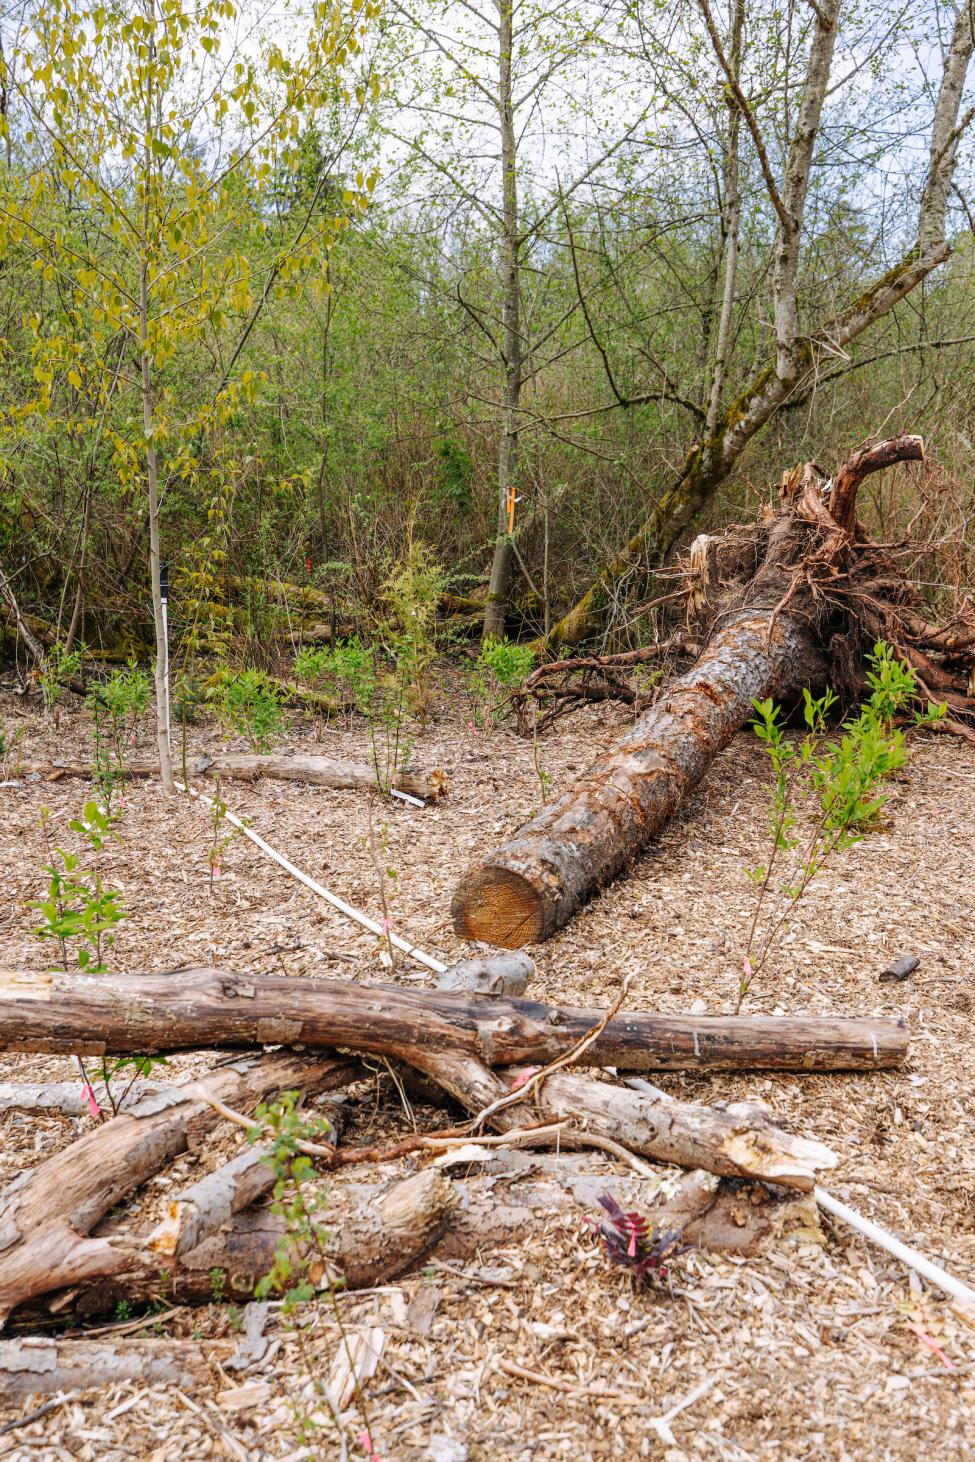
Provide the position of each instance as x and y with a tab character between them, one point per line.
837	784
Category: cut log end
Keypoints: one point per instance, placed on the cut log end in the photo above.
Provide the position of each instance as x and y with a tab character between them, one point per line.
498	906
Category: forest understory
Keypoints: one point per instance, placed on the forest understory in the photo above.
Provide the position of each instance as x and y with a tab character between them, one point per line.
813	1345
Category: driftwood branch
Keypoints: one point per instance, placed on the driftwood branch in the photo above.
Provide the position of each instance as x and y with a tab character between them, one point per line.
211	1008
47	1215
40	1367
317	771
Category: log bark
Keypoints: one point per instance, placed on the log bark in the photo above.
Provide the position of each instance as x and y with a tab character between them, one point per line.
206	1206
46	1214
212	1008
36	1367
376	1233
489	974
739	1141
770	645
317	771
537	880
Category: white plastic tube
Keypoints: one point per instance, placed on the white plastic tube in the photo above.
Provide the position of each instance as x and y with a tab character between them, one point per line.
355	915
930	1271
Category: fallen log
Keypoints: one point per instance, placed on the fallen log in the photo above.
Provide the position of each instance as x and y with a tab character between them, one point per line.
47	1213
373	1236
69	1098
737	1141
317	771
821	589
40	1367
212	1008
204	1207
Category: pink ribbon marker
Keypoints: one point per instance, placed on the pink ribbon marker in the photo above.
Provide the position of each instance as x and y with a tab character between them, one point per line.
87	1093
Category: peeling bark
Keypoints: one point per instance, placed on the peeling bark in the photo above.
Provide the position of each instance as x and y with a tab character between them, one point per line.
47	1214
210	1008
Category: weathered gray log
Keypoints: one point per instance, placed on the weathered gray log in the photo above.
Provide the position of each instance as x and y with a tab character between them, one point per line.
735	1142
213	1008
374	1234
489	974
204	1207
41	1367
317	771
770	645
68	1098
47	1214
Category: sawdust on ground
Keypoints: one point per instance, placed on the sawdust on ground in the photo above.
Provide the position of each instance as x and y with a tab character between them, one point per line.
808	1351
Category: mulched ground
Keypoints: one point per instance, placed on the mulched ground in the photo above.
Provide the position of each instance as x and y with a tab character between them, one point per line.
807	1347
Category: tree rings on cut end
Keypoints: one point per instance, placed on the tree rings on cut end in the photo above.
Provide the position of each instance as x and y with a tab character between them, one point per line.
499	907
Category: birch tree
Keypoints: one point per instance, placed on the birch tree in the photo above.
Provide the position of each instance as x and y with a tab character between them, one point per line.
783	123
160	125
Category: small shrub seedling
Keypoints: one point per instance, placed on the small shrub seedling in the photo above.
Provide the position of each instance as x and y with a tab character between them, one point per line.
346	670
249	703
839	781
500	666
115	707
60	667
628	1240
302	1269
79	914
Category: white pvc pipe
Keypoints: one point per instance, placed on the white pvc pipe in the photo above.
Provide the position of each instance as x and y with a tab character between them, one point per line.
419	955
932	1272
165	626
926	1267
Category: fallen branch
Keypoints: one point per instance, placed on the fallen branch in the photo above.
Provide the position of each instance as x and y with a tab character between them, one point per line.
47	1214
213	1008
69	1098
731	1142
36	1367
375	1234
317	771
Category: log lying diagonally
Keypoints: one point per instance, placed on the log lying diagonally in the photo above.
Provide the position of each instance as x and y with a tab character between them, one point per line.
316	771
821	589
212	1008
372	1238
736	1142
47	1214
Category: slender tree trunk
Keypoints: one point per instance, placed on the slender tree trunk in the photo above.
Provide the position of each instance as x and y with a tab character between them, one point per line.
499	589
732	222
152	462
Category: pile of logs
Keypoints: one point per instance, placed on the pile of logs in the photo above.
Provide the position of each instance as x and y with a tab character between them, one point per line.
465	1043
784	606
